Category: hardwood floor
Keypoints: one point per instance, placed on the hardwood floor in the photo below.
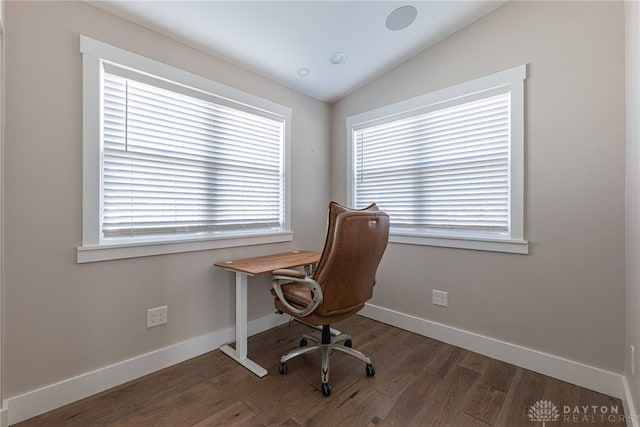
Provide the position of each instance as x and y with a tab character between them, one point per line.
418	382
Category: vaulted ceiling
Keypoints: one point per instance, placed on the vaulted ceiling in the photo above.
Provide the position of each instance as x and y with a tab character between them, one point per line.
325	49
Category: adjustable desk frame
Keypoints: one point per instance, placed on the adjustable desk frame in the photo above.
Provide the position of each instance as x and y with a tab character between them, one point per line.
253	267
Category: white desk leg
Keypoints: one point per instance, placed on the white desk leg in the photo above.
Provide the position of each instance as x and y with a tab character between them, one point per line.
239	354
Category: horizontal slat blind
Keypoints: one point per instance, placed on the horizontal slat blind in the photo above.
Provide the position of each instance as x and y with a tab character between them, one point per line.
179	164
446	169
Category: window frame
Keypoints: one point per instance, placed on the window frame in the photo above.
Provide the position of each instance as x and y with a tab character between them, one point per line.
94	247
512	78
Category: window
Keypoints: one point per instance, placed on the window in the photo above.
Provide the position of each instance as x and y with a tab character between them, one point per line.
174	162
447	166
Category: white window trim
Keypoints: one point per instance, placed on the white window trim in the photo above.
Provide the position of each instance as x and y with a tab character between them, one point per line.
92	248
514	78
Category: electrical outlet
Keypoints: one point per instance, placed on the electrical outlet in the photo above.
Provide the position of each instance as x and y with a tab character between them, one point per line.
632	357
440	298
157	316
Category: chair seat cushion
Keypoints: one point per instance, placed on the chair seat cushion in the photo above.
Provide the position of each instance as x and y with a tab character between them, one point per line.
298	295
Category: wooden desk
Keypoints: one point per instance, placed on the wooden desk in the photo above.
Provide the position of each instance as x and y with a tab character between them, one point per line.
253	267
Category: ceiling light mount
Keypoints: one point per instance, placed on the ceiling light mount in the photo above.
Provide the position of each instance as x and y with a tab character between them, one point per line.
337	58
304	72
401	18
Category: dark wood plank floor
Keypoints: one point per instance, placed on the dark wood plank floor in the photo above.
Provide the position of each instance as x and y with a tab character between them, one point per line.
418	382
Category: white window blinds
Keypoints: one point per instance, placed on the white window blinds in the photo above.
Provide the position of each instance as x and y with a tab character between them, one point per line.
174	163
445	169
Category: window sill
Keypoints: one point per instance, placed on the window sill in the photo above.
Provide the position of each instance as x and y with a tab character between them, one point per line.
478	244
111	251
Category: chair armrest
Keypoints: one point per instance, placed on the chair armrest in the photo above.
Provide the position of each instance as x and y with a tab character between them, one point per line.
290	273
316	291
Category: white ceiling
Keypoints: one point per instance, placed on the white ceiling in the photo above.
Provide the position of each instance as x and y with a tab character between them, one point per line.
277	38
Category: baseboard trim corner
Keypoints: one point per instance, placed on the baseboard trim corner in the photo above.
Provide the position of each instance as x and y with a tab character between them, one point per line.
47	398
563	369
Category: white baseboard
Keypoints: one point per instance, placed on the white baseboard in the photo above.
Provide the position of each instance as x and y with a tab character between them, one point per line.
629	406
563	369
39	401
36	402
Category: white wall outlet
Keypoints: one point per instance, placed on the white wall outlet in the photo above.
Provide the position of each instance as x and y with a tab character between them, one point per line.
632	359
440	298
157	316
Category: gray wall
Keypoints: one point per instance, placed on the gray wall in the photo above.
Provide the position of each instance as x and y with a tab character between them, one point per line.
566	297
632	266
64	319
2	122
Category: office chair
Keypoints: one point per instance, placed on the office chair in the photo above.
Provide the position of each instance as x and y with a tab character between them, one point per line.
340	285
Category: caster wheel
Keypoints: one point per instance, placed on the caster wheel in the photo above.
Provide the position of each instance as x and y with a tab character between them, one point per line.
370	370
283	368
326	389
348	343
303	342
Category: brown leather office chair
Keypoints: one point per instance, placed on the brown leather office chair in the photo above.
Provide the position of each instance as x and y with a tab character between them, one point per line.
340	285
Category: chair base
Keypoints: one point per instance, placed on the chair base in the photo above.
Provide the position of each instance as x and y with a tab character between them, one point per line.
325	346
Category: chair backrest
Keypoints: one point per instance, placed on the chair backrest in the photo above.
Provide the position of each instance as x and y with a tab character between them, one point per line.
334	210
347	269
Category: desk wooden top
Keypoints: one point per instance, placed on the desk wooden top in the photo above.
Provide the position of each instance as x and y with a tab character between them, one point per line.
268	263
